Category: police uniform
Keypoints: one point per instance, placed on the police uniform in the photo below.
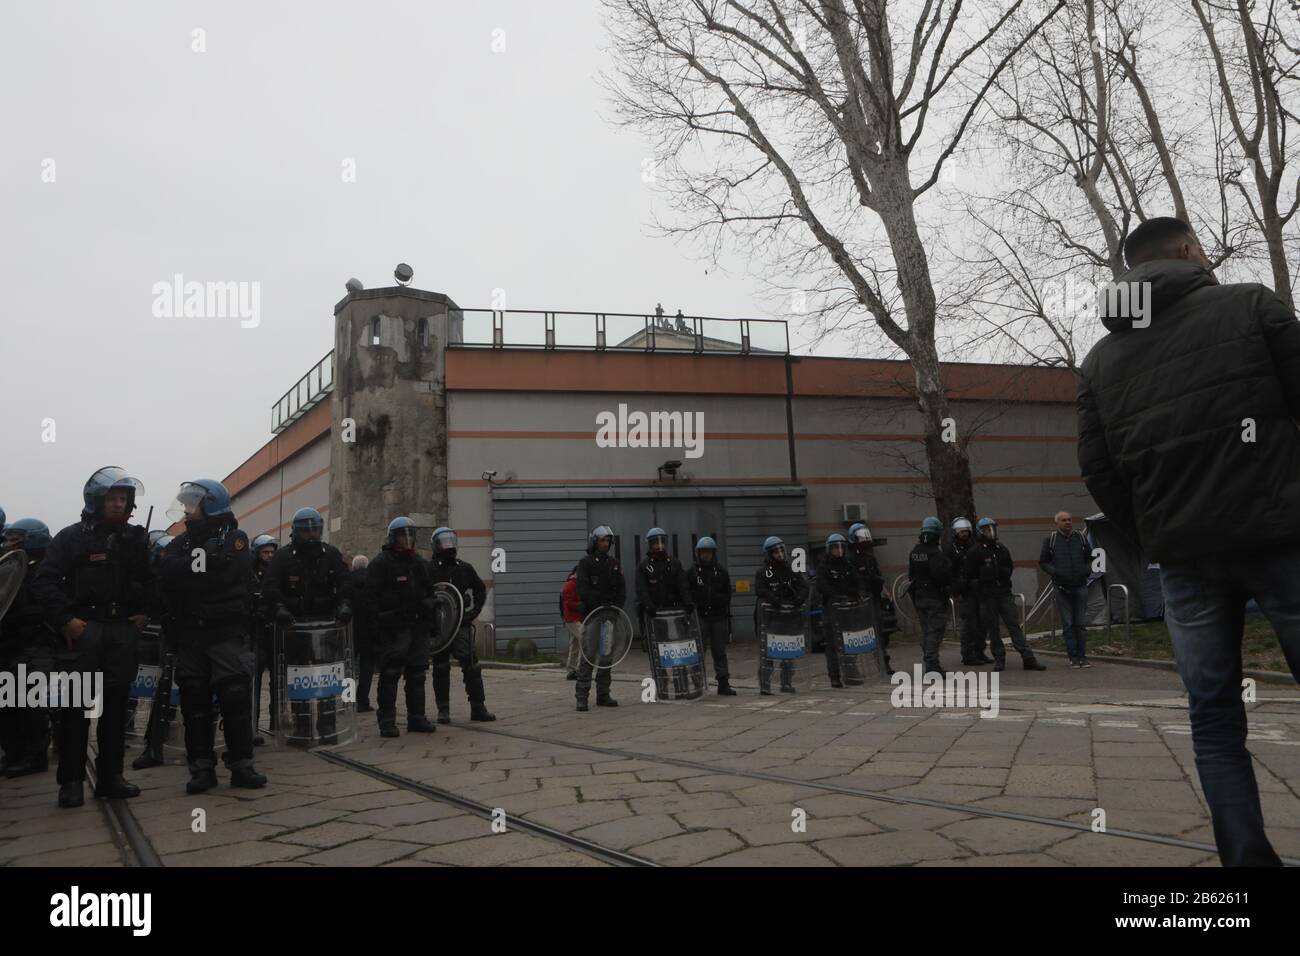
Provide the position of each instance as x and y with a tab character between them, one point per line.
600	584
989	568
928	573
836	579
661	586
204	575
308	581
26	641
710	588
863	558
400	588
449	569
776	584
98	572
966	599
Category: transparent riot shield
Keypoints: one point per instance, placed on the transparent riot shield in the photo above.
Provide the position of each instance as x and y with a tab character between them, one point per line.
13	568
606	637
448	612
313	673
852	634
153	715
676	660
783	649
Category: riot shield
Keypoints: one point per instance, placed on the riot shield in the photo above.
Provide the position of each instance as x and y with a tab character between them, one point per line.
153	714
315	684
448	612
606	637
783	647
13	568
675	657
852	634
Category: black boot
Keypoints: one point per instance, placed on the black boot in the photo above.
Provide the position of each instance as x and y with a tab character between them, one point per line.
389	729
145	761
201	779
72	795
25	768
1032	664
115	787
478	711
724	688
582	706
420	724
247	777
606	701
444	715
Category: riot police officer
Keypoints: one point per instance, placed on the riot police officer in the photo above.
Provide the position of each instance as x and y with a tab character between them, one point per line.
449	569
660	579
927	573
400	588
776	584
862	556
203	578
94	587
710	588
600	584
836	577
26	641
307	581
988	568
964	597
262	632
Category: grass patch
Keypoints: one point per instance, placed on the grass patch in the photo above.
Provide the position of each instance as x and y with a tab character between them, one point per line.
1260	649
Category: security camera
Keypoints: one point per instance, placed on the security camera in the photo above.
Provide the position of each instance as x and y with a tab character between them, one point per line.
354	285
489	475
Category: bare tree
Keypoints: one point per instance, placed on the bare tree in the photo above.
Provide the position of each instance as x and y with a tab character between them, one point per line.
1255	47
809	131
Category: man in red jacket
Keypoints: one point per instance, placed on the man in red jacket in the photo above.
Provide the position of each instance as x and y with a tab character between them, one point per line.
571	611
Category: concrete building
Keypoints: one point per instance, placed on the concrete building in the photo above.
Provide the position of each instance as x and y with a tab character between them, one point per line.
524	430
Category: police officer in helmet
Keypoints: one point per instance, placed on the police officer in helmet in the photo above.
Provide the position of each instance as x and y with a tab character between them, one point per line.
964	595
399	585
710	588
600	584
989	568
862	556
836	579
307	581
779	586
262	632
450	569
25	640
204	577
928	572
94	587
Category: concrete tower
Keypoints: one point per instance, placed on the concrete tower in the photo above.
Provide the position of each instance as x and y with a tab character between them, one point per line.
390	384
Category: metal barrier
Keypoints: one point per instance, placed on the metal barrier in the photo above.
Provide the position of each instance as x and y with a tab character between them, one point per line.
1128	624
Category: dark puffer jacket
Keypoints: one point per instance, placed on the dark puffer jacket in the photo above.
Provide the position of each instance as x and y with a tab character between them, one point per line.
1161	413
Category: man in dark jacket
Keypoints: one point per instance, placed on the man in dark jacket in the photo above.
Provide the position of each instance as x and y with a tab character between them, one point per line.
450	569
988	569
1188	442
203	579
710	588
927	574
95	586
600	584
862	555
1065	559
963	593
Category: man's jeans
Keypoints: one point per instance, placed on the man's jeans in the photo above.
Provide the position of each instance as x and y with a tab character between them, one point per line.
1205	612
1072	605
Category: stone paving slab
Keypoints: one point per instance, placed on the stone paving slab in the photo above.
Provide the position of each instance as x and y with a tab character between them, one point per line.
1063	744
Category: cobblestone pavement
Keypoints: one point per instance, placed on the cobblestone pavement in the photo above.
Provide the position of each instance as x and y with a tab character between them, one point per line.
747	780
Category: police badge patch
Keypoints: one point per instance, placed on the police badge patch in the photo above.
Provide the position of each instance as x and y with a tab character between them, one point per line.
241	542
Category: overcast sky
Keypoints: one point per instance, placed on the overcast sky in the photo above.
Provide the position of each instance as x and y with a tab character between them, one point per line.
481	169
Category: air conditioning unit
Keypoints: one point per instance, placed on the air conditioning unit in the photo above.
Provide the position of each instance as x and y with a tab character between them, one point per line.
854	511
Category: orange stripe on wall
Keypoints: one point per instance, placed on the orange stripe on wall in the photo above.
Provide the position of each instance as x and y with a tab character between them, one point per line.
270	501
305	431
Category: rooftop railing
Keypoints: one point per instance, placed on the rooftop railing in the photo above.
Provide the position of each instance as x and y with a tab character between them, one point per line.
306	394
617	331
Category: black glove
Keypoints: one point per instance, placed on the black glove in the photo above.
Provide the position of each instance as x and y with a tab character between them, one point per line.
283	617
345	612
